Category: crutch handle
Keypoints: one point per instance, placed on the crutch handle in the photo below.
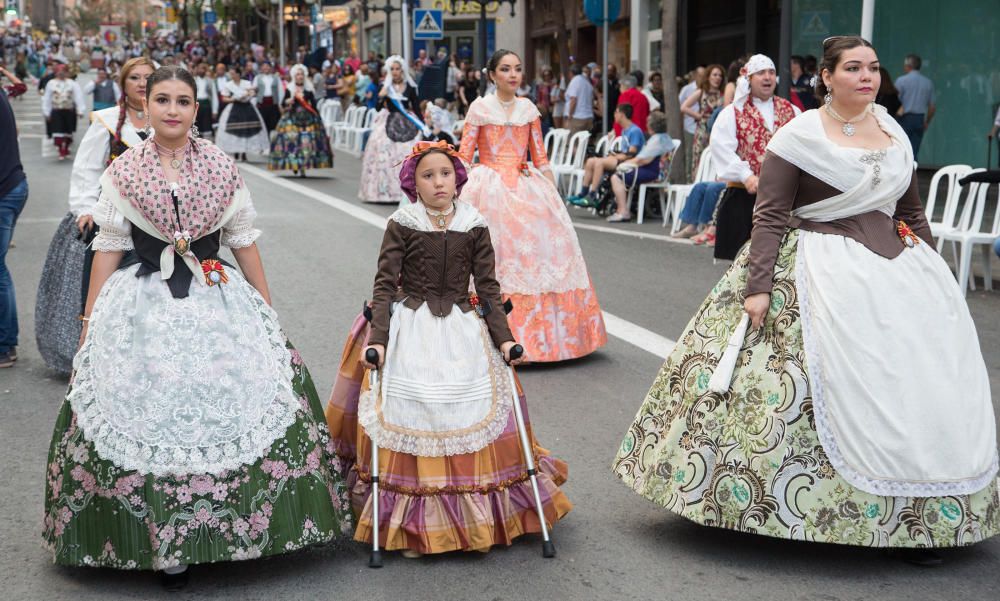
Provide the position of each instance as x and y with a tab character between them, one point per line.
516	352
371	356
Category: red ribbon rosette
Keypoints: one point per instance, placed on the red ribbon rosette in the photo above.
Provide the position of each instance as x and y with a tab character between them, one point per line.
214	272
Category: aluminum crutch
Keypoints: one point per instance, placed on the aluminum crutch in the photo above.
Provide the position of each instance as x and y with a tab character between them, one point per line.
548	549
374	385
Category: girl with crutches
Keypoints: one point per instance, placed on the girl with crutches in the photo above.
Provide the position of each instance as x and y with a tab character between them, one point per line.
440	418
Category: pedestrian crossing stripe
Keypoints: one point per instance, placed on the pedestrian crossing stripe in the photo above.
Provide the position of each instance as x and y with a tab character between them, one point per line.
429	24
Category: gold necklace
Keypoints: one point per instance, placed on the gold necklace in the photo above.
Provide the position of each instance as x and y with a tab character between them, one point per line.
848	124
172	153
441	217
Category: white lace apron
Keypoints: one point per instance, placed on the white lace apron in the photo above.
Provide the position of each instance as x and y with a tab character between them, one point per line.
445	387
178	386
900	390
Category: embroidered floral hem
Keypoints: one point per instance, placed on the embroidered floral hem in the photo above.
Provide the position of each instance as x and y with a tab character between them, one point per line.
97	514
751	460
300	143
556	326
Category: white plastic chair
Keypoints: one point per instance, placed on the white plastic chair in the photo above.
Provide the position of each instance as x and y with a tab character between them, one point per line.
660	184
356	135
605	144
575	155
677	194
557	151
337	129
950	176
343	134
331	114
969	232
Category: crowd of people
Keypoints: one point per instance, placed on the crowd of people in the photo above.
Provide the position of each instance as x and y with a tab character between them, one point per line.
778	431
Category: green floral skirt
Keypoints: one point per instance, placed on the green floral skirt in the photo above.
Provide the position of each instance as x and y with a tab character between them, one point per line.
750	460
97	514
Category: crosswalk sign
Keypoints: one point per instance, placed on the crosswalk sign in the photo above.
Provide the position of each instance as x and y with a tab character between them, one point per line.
428	24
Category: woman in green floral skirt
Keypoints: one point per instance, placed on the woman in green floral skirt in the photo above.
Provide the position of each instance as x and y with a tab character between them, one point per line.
192	432
856	409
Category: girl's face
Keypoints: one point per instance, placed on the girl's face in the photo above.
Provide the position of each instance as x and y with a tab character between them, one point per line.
856	79
715	79
135	83
396	70
508	74
435	176
172	108
300	78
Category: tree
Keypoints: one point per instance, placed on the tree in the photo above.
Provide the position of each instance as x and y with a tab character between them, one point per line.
668	68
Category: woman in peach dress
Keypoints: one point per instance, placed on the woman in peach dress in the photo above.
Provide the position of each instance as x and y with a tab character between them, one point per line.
539	263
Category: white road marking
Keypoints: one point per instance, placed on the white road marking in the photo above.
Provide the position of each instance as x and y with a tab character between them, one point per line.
34	220
625	330
630	233
22	122
20	135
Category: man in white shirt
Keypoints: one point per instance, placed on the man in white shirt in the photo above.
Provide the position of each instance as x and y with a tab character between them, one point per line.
269	94
580	102
689	123
739	140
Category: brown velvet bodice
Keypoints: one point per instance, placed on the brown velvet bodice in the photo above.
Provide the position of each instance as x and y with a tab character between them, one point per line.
784	187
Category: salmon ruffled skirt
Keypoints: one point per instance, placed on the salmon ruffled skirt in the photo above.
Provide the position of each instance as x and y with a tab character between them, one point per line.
461	502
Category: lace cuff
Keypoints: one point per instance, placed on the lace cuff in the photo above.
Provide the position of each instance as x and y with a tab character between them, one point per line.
109	239
115	233
239	231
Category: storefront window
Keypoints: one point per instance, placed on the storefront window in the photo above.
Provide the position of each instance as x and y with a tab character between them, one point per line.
376	40
654	56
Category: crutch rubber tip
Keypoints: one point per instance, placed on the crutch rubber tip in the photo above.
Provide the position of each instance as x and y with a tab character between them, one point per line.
375	561
548	550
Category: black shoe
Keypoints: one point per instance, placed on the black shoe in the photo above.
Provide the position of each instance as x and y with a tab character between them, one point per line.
175	582
925	558
6	360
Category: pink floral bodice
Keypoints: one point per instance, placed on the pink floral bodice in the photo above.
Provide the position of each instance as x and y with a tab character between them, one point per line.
505	145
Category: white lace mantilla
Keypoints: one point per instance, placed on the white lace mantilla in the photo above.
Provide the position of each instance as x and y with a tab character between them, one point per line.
169	386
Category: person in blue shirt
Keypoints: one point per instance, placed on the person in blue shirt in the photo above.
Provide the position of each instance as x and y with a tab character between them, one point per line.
646	166
916	92
595	167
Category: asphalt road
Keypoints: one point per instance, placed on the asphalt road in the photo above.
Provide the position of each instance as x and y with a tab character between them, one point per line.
614	545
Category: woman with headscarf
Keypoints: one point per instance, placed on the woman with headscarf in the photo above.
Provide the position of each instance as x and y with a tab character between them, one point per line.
63	287
300	142
452	476
395	130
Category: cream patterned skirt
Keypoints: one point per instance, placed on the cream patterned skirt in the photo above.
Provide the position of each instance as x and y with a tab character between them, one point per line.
751	460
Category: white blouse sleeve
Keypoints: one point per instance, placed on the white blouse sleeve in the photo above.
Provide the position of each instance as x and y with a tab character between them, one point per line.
239	231
88	165
116	232
723	143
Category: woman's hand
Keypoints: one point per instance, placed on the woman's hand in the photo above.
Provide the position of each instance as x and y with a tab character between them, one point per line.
756	306
505	351
85	223
380	349
382	93
83	334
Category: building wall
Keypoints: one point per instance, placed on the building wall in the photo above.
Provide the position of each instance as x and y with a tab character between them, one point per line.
959	45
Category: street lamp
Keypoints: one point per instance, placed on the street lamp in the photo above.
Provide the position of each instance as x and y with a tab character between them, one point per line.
482	33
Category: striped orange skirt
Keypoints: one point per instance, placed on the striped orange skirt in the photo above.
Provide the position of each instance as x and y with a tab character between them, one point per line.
464	502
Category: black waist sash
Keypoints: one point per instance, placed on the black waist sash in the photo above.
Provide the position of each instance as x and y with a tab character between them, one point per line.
148	250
